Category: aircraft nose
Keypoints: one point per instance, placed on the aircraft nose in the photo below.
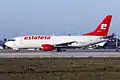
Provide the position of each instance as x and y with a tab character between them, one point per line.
9	44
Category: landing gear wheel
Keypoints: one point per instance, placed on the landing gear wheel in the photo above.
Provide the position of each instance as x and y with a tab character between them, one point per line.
117	50
59	50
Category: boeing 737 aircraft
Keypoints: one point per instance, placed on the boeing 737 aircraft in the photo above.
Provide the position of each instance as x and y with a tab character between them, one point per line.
49	43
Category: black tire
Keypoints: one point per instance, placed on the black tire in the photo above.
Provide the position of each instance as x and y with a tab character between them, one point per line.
59	50
117	50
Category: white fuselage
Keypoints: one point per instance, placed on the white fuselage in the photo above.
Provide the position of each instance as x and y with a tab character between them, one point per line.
20	42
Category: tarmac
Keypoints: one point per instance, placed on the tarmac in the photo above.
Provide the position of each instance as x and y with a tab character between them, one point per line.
77	53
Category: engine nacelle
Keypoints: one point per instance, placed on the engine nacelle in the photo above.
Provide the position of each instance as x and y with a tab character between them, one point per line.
47	47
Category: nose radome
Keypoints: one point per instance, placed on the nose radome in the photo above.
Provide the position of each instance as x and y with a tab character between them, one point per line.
9	44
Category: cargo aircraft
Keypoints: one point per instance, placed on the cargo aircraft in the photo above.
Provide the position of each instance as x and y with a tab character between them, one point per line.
50	43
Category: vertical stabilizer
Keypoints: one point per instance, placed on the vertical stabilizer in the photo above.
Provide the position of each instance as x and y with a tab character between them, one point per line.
102	29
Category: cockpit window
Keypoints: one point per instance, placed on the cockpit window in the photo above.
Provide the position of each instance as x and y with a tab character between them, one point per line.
11	39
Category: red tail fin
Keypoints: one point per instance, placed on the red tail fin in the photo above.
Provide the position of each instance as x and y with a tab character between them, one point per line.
102	29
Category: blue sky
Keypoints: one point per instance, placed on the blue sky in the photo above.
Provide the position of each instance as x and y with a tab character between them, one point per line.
59	17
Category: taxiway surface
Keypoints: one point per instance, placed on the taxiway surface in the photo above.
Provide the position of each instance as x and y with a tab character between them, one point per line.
66	50
69	53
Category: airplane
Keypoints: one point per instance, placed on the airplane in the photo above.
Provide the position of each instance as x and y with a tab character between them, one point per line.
50	43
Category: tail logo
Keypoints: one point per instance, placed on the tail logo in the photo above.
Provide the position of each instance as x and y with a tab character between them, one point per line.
103	26
102	29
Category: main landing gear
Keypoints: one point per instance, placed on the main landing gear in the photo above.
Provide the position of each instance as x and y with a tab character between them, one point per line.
60	50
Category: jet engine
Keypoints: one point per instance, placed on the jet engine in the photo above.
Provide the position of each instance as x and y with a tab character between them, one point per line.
47	47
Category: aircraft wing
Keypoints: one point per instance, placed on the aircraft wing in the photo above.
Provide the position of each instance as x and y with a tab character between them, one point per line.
64	44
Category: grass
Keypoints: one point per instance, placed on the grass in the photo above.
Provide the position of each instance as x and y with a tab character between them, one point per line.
60	68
